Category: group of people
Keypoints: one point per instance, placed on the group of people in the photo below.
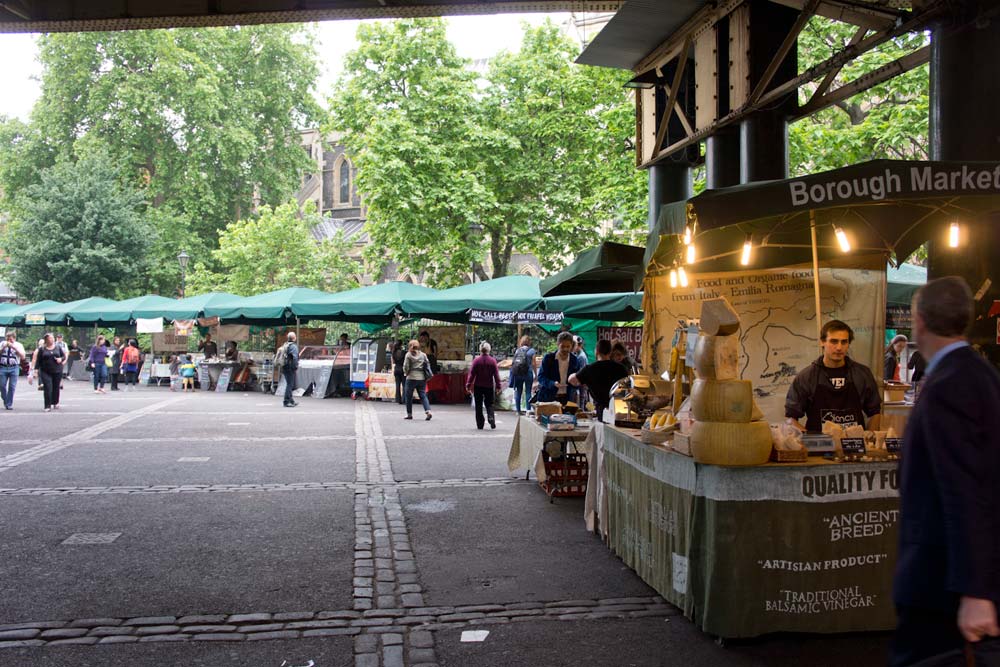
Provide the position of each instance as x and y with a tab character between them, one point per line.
112	359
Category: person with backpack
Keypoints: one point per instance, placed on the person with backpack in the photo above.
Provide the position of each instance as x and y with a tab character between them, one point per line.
188	372
11	356
287	359
130	364
522	373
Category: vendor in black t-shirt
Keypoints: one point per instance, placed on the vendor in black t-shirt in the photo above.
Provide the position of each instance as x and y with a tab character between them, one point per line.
599	377
208	347
834	388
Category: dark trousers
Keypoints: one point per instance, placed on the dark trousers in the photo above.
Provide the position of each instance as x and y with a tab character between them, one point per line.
421	387
483	396
114	380
50	387
400	386
289	376
131	378
923	633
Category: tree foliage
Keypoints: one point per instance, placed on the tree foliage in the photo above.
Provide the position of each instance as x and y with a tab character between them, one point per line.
531	158
79	234
205	121
275	250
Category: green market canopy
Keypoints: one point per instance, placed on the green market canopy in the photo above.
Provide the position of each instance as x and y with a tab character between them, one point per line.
375	304
188	308
118	312
62	313
610	267
271	308
903	283
612	306
452	305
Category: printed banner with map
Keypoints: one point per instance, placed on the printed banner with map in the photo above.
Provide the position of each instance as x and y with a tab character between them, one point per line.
778	320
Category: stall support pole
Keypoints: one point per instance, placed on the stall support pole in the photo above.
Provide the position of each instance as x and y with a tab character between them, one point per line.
812	230
297	325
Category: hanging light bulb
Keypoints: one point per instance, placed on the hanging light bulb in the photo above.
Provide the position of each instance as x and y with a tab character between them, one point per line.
690	254
673	278
687	234
747	248
953	234
842	239
682	275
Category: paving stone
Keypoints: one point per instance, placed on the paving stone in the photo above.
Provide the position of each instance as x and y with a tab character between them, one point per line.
418	655
360	592
199	619
392	656
410	588
86	641
277	634
404	556
266	627
249	618
391	639
634	600
118	640
383	629
331	632
370	622
455	618
361	581
209	628
27	633
40	625
407	577
431	611
348	615
559	611
387	601
570	617
416	620
412	599
364	571
21	643
421	639
622	607
385	588
385	575
366	660
182	637
362	604
383	552
219	637
479	607
157	630
605	614
406	567
385	563
365	562
294	616
151	620
95	622
365	644
384	613
111	632
314	625
64	633
528	605
359	555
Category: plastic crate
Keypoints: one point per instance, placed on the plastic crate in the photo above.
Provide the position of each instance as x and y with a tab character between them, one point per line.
566	476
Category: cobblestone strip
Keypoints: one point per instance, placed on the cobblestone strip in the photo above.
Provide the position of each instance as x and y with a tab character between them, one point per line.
244	488
377	632
89	433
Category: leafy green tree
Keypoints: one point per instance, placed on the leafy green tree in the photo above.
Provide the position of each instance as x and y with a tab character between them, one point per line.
79	233
532	158
275	250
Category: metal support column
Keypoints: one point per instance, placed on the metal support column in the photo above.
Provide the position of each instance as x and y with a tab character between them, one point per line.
668	182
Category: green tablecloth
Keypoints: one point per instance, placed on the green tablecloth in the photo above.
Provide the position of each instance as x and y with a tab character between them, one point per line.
748	551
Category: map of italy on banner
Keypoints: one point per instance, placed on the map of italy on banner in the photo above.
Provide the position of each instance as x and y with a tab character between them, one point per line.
778	333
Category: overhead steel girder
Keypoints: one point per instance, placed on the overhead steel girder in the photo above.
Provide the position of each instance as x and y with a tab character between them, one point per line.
100	15
766	91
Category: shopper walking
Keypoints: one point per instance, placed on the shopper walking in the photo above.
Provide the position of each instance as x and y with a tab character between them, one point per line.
97	361
947	584
417	370
398	357
11	355
288	359
47	365
75	354
115	354
522	373
64	350
484	384
130	357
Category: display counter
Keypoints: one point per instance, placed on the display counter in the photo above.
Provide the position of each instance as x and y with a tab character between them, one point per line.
314	374
447	388
806	547
529	441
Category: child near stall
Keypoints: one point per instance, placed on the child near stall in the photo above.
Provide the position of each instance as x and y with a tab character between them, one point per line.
188	371
175	372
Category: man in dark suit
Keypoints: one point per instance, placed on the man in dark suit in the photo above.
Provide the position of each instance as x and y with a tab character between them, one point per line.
947	585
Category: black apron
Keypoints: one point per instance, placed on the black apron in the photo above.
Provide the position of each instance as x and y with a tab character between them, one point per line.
842	406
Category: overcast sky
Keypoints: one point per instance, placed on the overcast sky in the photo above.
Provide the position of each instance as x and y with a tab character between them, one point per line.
474	37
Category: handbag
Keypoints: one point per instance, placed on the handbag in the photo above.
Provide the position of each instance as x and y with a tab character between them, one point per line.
428	373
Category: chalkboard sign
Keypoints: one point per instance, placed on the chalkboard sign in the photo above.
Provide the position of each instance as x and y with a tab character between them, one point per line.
853	446
203	378
145	373
894	445
222	386
322	382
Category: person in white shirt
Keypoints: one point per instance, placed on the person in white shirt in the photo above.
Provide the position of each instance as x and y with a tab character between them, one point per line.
11	356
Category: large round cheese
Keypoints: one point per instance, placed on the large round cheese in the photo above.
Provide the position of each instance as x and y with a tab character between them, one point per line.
718	317
731	444
722	400
717	357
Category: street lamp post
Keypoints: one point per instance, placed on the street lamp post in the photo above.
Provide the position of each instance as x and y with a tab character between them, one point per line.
182	259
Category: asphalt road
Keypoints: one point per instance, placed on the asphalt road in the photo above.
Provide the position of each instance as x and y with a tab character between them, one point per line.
158	529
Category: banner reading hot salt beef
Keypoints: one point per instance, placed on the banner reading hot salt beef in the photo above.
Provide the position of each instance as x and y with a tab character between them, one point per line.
778	321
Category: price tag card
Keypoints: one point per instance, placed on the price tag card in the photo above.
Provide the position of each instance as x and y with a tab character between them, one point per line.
894	445
853	446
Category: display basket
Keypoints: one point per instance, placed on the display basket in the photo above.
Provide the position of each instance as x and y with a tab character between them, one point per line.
566	476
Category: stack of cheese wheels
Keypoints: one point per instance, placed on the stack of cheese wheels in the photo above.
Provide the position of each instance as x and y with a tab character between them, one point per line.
728	428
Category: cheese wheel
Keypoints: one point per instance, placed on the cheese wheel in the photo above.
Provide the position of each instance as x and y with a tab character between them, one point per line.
718	317
717	357
728	401
731	444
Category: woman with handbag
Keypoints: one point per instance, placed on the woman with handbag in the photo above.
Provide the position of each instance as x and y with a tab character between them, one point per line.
97	362
47	364
417	370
